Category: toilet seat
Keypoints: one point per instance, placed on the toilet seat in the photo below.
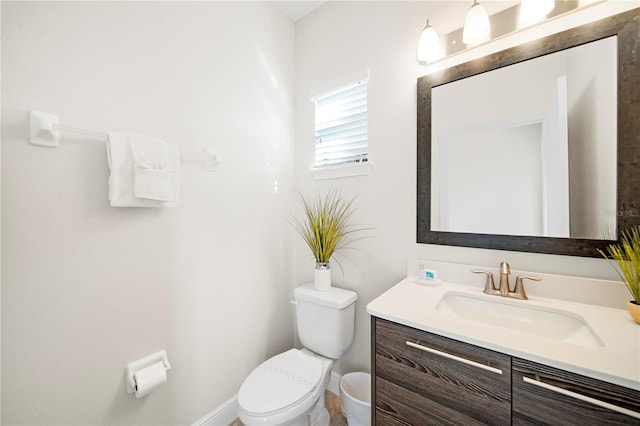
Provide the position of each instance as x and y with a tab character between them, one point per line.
283	381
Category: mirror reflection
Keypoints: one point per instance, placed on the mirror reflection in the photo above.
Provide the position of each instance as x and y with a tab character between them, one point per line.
529	149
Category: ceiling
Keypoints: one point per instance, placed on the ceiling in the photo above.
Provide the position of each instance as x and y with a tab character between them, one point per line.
445	15
297	9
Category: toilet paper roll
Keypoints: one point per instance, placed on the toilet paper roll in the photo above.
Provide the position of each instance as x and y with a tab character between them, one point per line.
149	378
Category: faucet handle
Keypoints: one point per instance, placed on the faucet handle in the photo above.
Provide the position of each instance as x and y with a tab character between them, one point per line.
489	285
518	291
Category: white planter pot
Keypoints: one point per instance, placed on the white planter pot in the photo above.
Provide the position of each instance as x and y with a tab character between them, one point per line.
322	281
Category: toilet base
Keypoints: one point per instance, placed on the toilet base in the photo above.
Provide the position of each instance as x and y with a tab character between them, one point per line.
319	415
323	420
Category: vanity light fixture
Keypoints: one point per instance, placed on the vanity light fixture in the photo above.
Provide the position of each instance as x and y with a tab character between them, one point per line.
534	10
429	49
477	27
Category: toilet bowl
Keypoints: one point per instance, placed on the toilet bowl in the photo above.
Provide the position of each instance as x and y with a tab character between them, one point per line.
288	389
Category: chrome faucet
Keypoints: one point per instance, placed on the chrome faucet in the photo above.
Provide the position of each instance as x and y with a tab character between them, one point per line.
504	288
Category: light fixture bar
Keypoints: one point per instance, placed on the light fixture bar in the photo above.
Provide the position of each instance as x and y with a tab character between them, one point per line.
535	10
503	24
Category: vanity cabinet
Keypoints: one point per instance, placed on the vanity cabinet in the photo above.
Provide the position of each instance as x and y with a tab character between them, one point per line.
547	395
420	378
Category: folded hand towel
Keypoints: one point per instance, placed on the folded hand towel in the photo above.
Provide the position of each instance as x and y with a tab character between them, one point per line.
155	165
121	178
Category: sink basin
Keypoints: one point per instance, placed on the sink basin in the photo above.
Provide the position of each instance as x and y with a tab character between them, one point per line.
516	315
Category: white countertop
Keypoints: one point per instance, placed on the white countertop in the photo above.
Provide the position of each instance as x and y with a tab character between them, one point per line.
617	361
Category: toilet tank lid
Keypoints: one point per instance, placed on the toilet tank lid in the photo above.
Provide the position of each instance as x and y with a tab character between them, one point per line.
333	298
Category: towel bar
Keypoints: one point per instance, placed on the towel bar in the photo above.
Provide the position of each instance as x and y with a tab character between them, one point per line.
45	129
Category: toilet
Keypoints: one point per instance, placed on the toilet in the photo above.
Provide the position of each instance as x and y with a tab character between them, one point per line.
288	389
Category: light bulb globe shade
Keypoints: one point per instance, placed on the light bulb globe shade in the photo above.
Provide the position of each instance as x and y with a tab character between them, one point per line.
429	49
477	27
534	10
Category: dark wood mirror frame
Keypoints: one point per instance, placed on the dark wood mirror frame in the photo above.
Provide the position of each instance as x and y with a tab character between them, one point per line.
626	26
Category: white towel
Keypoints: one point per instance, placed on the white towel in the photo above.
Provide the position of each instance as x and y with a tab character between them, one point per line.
121	178
155	168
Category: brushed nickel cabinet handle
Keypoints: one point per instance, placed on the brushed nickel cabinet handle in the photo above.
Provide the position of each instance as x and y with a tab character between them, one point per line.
584	398
454	358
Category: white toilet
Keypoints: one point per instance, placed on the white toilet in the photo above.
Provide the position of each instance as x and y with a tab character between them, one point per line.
288	389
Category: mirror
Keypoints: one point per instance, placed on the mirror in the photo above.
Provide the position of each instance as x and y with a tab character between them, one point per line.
517	150
524	151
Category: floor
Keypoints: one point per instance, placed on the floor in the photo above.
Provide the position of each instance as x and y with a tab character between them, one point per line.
332	401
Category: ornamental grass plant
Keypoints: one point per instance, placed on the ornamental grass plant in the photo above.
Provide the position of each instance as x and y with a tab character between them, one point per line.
626	255
326	224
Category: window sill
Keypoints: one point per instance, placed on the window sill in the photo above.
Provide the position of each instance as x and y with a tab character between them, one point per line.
342	170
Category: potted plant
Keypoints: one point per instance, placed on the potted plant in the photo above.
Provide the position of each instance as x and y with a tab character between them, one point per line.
325	226
626	254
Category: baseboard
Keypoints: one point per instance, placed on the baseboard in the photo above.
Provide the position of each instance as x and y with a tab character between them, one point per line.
224	414
334	383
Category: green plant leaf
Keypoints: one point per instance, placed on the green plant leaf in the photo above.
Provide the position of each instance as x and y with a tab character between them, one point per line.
626	256
326	224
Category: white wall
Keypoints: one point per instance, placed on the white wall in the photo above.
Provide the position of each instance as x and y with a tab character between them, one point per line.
88	288
341	37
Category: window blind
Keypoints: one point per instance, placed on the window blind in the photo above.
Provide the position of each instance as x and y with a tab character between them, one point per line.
341	126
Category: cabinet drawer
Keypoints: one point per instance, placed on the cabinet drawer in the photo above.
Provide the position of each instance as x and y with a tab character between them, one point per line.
544	395
422	376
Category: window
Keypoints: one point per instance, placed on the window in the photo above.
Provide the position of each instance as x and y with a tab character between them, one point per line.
341	126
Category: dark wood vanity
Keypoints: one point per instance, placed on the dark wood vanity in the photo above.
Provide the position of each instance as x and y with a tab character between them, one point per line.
420	378
413	386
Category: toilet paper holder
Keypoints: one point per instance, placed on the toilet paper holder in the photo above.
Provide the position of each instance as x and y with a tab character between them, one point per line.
132	367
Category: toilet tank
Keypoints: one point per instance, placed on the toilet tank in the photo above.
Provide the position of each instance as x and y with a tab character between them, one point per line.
325	319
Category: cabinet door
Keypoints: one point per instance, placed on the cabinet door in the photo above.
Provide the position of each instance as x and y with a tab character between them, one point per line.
425	379
544	395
